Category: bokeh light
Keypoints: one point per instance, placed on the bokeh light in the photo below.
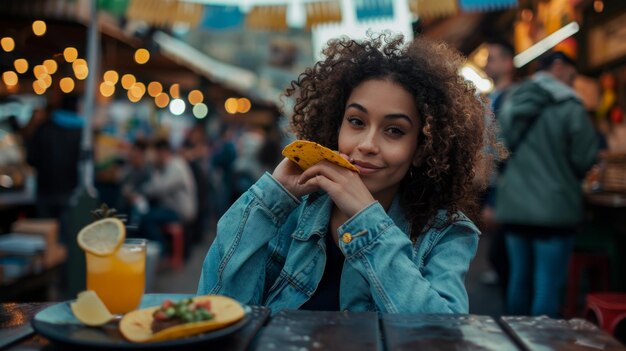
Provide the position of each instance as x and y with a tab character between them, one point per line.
7	43
138	90
9	78
66	84
195	97
128	80
175	91
162	100
111	76
39	70
46	80
177	107
80	69
231	105
21	65
243	105
51	66
155	88
107	89
132	97
598	6
200	110
39	28
70	54
142	56
38	87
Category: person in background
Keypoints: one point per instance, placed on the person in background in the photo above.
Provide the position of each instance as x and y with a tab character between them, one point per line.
54	151
270	153
194	155
135	173
222	160
391	238
500	69
539	196
248	168
171	192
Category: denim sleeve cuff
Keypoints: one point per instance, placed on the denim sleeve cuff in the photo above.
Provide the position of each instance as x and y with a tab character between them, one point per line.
363	228
273	195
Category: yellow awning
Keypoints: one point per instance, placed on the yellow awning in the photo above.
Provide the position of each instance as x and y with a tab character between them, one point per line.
433	8
275	17
322	12
165	12
271	18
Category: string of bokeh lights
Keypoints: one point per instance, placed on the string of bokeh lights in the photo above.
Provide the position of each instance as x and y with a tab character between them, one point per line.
135	90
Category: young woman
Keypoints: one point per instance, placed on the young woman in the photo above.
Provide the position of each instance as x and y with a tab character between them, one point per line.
392	238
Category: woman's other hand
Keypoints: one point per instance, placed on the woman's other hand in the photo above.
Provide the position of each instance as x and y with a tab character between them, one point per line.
344	186
288	173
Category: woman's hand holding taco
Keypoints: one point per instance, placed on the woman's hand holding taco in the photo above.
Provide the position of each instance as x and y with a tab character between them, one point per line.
344	186
288	173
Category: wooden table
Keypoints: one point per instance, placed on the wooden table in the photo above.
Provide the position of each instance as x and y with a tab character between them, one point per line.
309	330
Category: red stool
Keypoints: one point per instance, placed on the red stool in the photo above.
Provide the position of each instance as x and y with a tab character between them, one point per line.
598	278
609	308
176	231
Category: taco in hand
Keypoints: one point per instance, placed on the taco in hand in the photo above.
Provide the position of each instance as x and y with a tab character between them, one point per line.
307	153
174	320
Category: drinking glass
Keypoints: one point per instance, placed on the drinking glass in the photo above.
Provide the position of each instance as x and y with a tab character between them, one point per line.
119	279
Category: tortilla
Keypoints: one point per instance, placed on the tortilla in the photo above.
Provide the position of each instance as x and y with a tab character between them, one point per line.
307	153
136	325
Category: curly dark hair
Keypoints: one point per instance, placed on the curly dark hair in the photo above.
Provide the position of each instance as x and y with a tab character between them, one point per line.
454	131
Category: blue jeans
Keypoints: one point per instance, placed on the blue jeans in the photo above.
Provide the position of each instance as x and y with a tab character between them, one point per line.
151	222
538	272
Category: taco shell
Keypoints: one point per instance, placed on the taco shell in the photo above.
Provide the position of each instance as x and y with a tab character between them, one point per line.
307	153
136	325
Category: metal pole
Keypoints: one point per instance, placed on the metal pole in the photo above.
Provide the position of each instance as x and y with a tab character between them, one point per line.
93	47
85	196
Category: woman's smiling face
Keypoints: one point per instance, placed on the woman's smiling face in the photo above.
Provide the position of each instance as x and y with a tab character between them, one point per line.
379	131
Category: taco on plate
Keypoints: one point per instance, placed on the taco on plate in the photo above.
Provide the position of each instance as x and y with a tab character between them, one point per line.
173	320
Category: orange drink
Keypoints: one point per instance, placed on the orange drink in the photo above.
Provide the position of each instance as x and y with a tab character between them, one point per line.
119	279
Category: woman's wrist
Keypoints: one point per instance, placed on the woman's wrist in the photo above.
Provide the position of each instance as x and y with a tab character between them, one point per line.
282	186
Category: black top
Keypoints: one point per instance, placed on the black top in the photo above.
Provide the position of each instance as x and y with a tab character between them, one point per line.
326	296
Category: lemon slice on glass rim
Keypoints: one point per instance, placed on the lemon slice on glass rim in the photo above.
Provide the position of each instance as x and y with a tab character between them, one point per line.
102	237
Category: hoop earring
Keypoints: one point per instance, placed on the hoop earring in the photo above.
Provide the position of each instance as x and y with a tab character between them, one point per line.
411	172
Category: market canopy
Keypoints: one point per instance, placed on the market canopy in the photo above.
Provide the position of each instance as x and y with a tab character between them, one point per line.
283	14
154	24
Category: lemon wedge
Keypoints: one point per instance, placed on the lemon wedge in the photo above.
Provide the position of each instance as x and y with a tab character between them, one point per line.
90	310
102	237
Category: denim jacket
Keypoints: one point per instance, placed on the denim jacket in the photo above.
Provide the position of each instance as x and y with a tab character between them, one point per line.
270	250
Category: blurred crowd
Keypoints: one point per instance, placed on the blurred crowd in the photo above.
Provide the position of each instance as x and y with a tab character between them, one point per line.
151	180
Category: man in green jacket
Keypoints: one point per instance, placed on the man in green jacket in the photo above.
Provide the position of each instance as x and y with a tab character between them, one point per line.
539	195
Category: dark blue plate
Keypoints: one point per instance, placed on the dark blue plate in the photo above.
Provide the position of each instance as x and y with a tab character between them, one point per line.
58	324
